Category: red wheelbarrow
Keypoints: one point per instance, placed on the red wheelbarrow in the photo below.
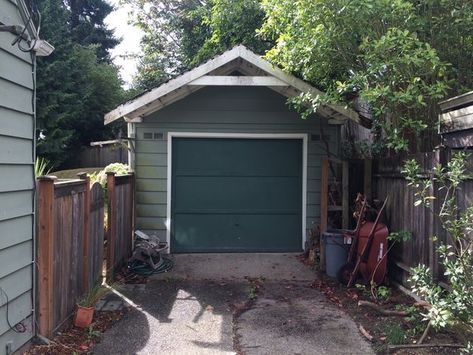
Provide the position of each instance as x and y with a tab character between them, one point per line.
367	255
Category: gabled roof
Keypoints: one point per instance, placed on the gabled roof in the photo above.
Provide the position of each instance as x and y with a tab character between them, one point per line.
257	71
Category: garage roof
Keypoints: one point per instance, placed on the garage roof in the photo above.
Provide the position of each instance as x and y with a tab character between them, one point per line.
216	72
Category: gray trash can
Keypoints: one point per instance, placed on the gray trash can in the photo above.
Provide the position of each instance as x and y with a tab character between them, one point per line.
336	251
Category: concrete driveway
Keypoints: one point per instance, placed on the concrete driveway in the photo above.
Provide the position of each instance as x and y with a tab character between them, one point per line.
232	303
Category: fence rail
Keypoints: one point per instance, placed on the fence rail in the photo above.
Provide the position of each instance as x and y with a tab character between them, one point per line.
401	214
70	245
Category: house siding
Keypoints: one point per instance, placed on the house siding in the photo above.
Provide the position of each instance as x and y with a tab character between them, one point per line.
16	184
222	110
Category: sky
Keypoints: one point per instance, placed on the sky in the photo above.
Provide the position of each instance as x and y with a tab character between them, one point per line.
130	35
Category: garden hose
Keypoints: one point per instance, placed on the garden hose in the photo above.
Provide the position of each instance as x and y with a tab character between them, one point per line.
144	269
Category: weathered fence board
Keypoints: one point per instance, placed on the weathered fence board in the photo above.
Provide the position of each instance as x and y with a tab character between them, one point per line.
120	220
401	214
70	246
96	156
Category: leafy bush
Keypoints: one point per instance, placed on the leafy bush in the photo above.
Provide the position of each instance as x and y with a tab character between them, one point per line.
101	177
452	305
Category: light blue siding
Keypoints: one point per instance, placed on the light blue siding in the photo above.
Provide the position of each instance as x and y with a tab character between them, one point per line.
16	184
222	110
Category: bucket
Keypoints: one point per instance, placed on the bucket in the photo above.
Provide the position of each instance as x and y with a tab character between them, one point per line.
336	251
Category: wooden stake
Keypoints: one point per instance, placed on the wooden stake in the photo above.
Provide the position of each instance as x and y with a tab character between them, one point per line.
367	186
323	208
345	195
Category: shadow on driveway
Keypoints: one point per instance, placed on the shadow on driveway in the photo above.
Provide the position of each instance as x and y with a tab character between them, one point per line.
177	317
190	311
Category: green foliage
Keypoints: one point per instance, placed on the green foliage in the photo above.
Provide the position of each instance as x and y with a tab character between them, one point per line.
76	86
400	236
88	27
93	296
454	304
101	176
179	35
399	56
232	22
42	167
92	333
395	335
382	293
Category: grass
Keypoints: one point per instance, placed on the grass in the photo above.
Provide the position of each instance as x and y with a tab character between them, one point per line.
72	173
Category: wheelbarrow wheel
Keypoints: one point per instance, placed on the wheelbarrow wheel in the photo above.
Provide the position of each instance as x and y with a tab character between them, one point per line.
344	273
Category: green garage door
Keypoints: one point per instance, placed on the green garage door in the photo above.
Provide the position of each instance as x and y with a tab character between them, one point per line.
236	195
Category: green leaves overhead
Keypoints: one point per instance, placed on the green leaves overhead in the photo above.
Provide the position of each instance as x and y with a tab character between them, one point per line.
179	35
399	56
371	49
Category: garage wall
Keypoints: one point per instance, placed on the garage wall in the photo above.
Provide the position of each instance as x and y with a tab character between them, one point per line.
223	110
16	185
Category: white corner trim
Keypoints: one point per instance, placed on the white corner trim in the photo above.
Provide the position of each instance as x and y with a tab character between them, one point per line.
302	136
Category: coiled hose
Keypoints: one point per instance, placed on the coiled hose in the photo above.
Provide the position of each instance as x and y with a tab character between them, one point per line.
144	269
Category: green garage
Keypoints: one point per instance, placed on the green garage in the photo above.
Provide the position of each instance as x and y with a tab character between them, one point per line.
236	195
223	164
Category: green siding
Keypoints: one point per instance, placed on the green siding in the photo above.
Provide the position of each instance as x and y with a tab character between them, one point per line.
222	110
16	183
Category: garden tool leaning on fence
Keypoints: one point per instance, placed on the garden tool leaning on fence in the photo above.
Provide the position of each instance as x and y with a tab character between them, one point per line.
146	258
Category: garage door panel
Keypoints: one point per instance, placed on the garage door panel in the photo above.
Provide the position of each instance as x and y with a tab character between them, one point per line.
237	193
236	157
235	233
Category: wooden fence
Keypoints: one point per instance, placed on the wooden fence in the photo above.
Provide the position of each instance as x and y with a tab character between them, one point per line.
70	246
120	220
401	214
97	156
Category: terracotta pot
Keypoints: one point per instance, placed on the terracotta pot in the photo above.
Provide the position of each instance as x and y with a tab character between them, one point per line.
83	317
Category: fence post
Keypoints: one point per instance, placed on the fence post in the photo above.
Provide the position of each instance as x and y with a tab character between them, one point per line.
132	210
86	242
46	254
111	224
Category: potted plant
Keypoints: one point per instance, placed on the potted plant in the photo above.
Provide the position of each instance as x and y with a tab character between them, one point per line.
86	306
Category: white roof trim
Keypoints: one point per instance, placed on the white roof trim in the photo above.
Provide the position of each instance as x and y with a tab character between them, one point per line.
179	88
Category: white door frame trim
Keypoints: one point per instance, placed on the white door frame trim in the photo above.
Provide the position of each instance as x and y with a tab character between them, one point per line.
301	136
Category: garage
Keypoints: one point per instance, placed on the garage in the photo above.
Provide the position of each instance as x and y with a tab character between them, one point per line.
236	195
223	163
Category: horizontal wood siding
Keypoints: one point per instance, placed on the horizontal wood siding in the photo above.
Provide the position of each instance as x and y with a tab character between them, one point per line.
16	183
222	110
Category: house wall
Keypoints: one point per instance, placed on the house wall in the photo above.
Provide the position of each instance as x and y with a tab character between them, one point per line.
16	184
222	110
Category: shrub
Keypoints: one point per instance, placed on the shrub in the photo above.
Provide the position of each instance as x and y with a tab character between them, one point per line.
453	305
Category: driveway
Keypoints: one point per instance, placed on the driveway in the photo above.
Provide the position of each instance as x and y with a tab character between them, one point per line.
232	303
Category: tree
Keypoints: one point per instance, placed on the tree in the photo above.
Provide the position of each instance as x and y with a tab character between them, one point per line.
182	34
372	49
88	27
74	90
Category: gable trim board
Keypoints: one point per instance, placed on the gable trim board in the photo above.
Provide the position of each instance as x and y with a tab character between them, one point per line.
238	58
302	136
